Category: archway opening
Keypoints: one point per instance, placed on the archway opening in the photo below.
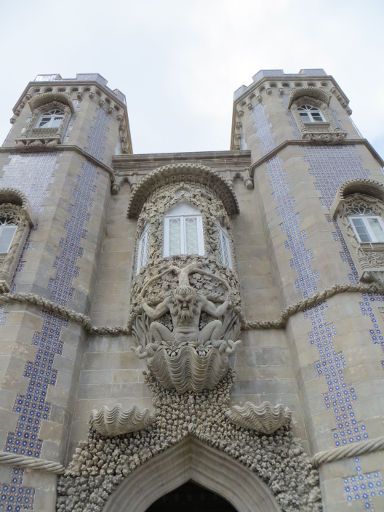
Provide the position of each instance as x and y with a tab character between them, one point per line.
191	497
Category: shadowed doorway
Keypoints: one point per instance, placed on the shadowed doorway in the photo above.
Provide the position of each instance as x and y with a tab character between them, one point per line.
191	497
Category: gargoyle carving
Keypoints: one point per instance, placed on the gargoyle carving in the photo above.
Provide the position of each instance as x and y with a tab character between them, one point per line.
187	353
185	305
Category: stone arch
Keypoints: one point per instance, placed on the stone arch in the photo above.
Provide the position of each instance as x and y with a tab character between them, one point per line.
311	93
46	98
174	173
192	460
367	187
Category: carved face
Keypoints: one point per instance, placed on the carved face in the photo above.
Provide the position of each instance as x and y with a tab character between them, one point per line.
185	302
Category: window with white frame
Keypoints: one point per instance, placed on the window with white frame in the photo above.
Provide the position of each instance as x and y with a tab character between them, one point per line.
51	119
368	228
7	232
142	250
225	248
310	114
183	231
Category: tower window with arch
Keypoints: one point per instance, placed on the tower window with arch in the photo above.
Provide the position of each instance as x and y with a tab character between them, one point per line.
183	231
310	114
51	118
15	224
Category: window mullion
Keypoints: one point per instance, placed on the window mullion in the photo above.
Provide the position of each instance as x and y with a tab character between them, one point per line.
372	235
183	234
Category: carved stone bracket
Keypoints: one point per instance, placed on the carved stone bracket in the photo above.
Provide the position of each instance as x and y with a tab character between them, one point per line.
325	137
117	421
264	418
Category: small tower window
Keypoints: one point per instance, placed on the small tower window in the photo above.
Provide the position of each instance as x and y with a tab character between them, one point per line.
51	119
7	232
225	248
183	231
310	114
142	250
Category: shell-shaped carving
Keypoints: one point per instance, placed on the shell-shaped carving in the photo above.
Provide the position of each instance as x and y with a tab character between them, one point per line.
190	367
265	418
117	421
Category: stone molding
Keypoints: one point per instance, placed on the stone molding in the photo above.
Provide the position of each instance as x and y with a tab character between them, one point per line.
175	173
351	450
85	321
23	461
300	142
69	147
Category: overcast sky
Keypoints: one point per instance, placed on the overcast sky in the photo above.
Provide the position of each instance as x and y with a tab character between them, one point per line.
179	61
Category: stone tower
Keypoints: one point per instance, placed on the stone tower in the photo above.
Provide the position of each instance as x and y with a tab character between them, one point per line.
180	326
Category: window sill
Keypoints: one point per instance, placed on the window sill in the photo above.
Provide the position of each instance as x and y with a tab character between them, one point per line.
324	137
372	246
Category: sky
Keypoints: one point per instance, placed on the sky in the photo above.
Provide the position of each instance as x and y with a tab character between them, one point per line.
179	61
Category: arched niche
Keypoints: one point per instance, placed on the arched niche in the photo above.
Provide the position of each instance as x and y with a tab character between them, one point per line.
191	460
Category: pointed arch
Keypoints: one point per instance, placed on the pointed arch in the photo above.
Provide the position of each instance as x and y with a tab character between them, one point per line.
192	460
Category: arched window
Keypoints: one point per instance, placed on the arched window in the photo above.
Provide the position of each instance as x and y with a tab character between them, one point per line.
142	249
225	247
15	223
7	232
51	118
183	231
368	227
310	114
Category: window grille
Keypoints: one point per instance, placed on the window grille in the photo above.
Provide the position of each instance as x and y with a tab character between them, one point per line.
51	119
310	114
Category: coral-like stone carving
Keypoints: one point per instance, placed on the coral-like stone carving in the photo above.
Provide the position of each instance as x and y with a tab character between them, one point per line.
183	350
100	463
265	418
117	421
